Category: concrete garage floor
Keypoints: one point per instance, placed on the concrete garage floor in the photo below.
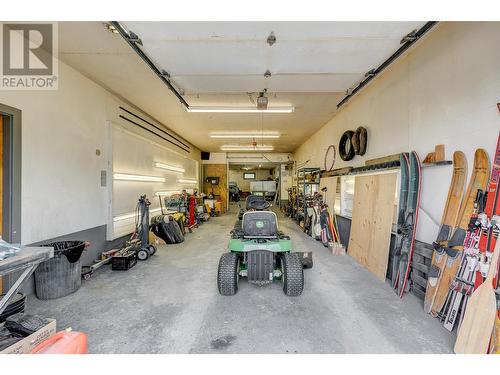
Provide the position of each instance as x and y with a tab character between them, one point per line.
170	304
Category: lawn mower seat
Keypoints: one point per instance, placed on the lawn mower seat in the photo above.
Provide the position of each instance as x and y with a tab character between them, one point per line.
256	202
260	224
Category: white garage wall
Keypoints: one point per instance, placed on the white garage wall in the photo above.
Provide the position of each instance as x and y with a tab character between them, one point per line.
444	91
61	173
135	154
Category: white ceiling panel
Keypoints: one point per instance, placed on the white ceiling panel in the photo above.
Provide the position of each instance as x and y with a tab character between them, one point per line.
344	56
254	58
218	63
205	49
260	30
200	57
277	83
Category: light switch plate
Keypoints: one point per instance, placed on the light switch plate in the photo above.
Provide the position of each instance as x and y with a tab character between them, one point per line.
103	178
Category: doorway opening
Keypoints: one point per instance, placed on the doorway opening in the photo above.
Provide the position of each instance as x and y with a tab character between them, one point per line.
10	176
254	178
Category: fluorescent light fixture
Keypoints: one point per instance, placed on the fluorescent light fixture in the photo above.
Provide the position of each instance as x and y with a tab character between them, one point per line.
246	135
288	109
167	193
135	177
246	148
168	167
133	215
124	217
187	181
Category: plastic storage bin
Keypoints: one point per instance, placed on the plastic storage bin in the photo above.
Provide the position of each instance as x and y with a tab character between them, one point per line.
60	275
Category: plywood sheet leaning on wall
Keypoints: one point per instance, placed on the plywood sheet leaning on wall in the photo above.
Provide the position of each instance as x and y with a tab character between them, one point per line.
372	218
220	190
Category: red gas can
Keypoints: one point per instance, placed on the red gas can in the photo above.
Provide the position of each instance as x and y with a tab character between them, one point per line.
64	342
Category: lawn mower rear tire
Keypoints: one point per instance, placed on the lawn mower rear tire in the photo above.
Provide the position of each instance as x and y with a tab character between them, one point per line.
293	275
228	274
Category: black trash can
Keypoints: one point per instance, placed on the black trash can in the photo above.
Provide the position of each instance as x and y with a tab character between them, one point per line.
61	275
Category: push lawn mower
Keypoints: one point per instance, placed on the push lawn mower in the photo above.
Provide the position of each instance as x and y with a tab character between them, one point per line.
261	253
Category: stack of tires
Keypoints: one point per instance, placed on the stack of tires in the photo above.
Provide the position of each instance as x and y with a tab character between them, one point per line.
169	230
353	143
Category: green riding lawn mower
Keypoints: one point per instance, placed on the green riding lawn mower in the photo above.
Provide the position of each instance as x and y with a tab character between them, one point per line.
261	253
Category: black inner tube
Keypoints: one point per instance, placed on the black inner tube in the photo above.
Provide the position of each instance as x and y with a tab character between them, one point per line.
346	151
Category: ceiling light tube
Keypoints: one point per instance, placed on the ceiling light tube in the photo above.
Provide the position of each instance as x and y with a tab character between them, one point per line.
246	135
241	109
168	167
246	148
135	177
167	193
187	181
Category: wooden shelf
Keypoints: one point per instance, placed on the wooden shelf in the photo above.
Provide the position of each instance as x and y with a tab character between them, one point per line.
437	163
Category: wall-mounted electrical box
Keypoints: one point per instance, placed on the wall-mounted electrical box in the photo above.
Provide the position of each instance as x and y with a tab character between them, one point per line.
212	180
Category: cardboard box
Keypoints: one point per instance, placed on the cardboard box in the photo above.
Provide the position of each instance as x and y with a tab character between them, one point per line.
218	207
153	239
26	345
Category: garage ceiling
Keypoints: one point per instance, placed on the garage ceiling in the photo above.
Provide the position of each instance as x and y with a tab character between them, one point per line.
312	64
219	57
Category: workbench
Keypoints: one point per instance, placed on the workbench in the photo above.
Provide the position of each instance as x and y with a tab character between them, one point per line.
26	260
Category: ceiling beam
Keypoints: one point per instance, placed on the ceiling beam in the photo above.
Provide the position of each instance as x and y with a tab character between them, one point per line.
409	40
134	42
